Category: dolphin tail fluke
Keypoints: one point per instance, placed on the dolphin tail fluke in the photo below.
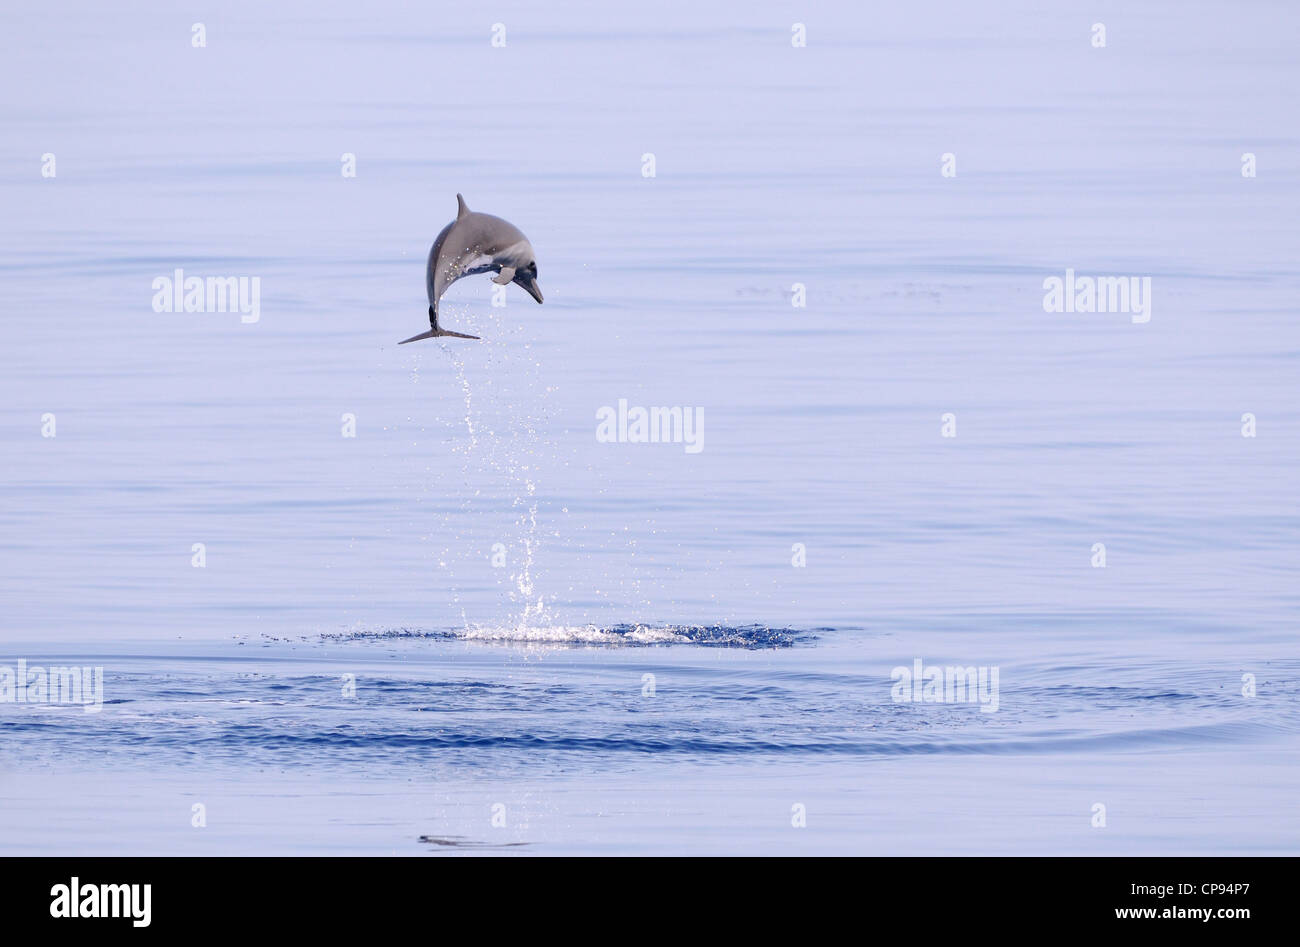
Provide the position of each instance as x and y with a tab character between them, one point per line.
436	333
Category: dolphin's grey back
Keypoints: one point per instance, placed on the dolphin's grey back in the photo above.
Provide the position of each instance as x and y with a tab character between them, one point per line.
460	246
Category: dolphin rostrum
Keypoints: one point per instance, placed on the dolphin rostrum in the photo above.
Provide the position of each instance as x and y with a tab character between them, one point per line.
476	243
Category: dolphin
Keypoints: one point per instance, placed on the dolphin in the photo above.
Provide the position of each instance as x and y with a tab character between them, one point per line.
476	243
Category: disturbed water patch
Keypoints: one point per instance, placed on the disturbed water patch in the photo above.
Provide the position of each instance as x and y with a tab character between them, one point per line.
628	634
460	841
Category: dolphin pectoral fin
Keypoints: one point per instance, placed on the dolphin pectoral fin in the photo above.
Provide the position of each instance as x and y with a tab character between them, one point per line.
437	333
506	275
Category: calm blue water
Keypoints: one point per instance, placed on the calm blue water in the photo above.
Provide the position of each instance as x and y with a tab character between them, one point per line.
609	641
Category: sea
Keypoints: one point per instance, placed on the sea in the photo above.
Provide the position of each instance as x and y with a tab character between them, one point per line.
942	568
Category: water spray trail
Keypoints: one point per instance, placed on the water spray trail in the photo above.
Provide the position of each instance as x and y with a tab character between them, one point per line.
517	455
524	578
459	365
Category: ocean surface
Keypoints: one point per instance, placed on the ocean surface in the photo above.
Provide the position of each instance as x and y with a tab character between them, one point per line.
354	598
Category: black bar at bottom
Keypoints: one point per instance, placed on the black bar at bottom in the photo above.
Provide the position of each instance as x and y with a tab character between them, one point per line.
337	896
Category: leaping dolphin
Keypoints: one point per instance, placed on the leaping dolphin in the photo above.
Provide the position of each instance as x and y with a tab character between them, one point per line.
476	243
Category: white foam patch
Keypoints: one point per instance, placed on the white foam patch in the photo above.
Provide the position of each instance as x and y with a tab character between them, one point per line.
578	634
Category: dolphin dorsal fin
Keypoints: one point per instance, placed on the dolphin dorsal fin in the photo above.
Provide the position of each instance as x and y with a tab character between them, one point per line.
461	208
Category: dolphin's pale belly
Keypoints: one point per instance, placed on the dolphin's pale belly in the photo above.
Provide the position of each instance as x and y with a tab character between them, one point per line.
478	264
481	261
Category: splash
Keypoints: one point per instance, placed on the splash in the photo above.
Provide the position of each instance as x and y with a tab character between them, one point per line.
750	637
